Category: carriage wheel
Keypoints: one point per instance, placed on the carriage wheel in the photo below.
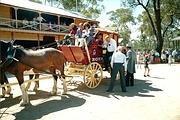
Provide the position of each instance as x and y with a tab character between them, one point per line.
93	75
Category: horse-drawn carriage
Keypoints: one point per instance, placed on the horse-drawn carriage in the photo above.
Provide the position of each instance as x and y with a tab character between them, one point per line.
87	60
84	60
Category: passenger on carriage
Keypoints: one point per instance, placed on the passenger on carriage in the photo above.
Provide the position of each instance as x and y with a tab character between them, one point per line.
88	32
79	31
111	46
72	32
78	36
73	29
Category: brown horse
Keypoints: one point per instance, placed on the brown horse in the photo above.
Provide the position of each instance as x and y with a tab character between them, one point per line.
17	60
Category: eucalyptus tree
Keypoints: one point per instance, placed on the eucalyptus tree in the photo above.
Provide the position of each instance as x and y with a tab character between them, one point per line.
162	14
121	18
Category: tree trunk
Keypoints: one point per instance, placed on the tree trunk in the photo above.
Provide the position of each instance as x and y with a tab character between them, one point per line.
159	37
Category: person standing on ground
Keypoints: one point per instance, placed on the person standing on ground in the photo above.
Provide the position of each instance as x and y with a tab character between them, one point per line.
174	53
118	64
146	64
170	57
138	59
131	61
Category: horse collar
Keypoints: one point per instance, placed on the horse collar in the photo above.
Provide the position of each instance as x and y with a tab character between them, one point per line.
11	51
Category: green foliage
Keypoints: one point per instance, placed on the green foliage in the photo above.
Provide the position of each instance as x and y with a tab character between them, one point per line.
159	20
90	8
121	17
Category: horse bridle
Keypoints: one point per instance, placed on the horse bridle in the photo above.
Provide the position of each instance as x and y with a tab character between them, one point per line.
11	51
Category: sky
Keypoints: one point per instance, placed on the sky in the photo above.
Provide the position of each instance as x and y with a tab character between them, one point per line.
111	5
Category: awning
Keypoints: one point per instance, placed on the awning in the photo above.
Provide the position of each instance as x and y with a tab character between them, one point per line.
25	4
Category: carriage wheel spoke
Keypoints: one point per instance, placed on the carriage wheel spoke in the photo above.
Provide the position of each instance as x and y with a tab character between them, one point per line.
93	75
95	81
97	67
88	82
92	83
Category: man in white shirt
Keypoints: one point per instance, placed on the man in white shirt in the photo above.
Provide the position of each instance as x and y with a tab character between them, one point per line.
111	47
118	64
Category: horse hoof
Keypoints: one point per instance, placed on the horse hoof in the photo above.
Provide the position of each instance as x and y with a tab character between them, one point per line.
24	104
2	96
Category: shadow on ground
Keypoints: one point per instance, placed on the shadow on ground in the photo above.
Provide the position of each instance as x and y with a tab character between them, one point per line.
142	88
45	108
10	101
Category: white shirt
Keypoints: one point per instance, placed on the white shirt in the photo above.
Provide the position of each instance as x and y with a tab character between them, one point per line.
163	56
85	33
111	45
119	57
174	53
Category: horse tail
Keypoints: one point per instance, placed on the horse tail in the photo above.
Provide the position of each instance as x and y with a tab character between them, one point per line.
59	61
62	72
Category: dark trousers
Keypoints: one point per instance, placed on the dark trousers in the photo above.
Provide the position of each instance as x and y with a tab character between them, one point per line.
129	79
107	60
117	67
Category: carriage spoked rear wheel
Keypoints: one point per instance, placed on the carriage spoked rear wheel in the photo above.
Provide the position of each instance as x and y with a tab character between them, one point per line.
93	75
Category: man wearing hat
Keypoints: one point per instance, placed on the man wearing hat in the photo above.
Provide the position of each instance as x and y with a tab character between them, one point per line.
131	61
111	47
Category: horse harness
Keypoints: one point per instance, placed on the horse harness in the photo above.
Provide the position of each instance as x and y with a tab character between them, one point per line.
11	56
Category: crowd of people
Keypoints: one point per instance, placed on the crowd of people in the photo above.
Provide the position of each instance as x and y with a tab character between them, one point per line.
167	56
120	59
83	30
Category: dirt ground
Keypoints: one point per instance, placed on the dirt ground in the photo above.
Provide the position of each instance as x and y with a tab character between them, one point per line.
152	98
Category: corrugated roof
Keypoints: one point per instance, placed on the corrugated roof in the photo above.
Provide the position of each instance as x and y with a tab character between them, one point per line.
42	8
